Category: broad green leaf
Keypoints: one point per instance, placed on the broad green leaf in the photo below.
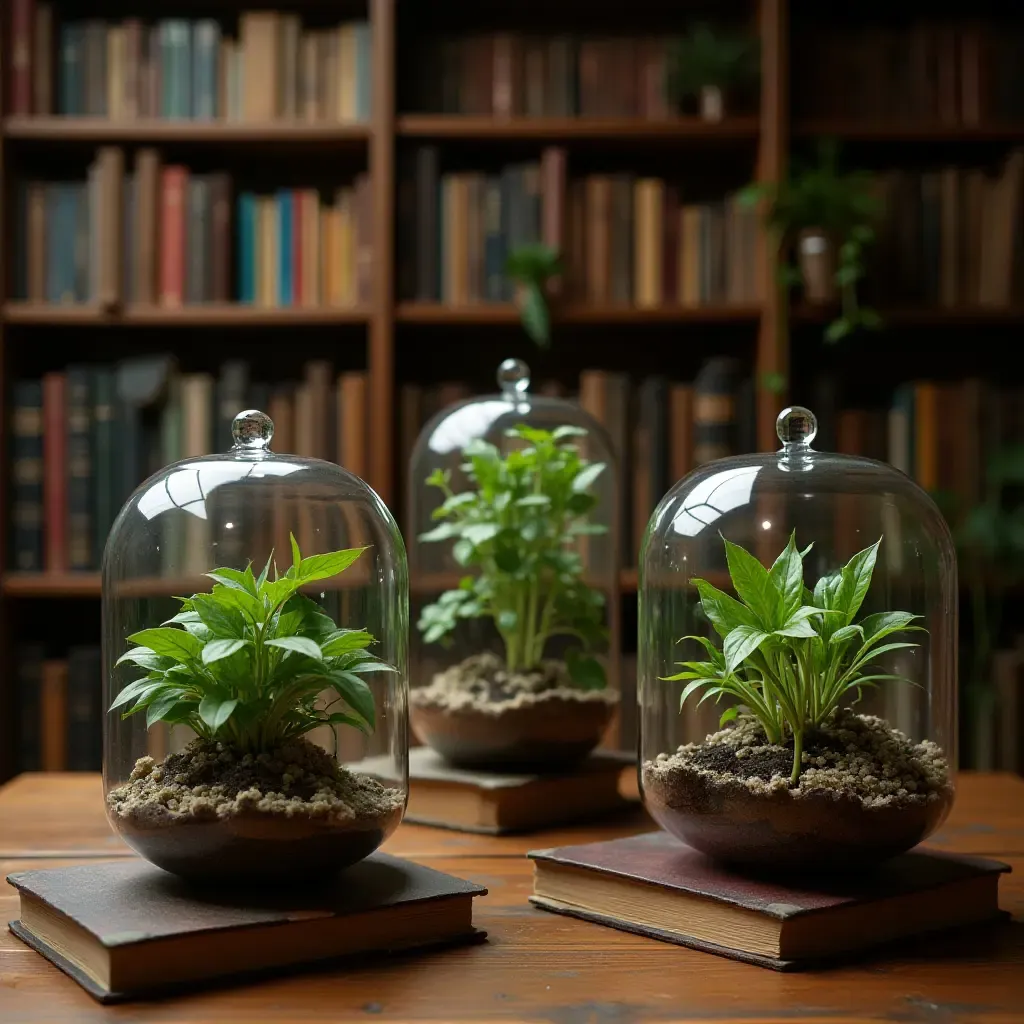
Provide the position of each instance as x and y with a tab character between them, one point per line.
220	615
787	577
723	611
728	715
845	633
165	640
266	571
347	640
162	706
229	578
884	623
561	433
445	531
215	712
753	585
216	650
480	533
716	655
368	666
340	718
356	694
587	476
801	629
145	658
299	644
531	500
697	684
137	689
585	671
507	619
296	553
322	567
741	642
856	578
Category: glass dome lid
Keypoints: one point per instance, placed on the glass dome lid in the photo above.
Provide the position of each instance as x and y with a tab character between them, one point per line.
514	549
797	676
255	634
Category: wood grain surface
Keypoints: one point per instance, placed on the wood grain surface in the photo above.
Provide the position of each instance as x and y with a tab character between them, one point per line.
536	966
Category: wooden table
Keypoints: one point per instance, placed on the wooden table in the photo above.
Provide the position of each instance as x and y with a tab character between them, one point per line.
537	966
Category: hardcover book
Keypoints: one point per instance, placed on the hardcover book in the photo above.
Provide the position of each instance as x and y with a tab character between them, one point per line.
124	928
654	885
496	803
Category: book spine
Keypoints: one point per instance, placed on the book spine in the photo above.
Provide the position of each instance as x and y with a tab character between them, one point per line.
133	36
84	711
298	201
267	252
285	231
173	191
427	234
22	18
54	715
42	60
95	68
116	46
102	451
363	239
148	212
27	464
30	671
108	226
79	469
714	411
494	241
552	173
72	69
247	248
196	270
55	472
363	71
220	237
205	56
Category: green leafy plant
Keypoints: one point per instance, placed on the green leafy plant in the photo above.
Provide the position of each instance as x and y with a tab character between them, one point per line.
531	267
707	56
516	528
249	663
842	205
790	655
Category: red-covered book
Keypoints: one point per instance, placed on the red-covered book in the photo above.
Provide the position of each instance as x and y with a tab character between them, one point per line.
173	188
55	477
23	14
654	885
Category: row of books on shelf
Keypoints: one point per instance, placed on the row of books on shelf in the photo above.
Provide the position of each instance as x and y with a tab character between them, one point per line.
952	236
84	438
623	238
937	71
505	74
181	69
165	236
59	710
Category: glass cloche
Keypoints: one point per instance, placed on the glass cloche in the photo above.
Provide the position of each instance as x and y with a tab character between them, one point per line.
797	658
255	633
514	554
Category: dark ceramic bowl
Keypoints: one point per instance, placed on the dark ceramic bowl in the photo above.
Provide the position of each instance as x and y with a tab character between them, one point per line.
546	735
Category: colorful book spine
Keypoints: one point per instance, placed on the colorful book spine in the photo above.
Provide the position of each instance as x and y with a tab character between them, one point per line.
55	495
285	247
72	68
79	468
205	71
27	476
173	192
363	71
247	248
103	457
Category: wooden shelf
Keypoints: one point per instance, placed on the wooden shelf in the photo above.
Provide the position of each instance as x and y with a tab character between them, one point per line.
912	131
226	314
561	129
93	129
506	313
923	316
45	584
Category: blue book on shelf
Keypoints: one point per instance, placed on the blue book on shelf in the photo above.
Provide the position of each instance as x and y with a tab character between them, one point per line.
494	241
363	47
247	247
61	215
285	264
176	68
205	56
72	68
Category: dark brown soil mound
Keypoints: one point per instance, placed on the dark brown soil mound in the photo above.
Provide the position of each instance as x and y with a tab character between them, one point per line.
866	792
212	812
478	714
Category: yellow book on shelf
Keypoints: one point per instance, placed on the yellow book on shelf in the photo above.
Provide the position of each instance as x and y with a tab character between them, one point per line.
346	72
346	243
266	251
309	200
689	256
328	254
648	201
259	40
117	51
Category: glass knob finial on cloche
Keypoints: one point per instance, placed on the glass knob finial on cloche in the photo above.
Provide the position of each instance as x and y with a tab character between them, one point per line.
252	429
796	425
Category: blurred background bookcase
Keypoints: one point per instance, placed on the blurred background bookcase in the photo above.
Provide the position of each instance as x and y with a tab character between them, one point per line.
181	235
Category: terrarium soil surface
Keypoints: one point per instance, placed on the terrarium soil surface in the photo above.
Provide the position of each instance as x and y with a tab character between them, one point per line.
211	812
477	713
865	792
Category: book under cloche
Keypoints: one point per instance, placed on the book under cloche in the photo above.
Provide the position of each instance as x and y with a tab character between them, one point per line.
124	928
654	885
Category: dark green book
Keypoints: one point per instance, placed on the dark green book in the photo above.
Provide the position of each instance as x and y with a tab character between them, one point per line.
81	533
85	717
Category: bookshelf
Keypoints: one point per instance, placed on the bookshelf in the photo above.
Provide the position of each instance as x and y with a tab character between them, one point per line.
390	337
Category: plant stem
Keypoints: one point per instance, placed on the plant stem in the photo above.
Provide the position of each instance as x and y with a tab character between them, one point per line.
798	749
529	658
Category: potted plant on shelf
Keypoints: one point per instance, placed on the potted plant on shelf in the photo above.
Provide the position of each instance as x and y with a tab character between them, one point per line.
518	531
795	776
532	268
825	215
707	64
252	668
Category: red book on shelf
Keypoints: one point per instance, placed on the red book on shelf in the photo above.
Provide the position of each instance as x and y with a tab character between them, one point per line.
298	205
173	187
55	485
22	16
552	193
